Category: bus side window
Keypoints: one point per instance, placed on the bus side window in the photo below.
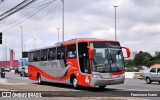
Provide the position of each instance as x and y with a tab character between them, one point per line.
71	51
60	52
44	56
52	54
36	56
30	57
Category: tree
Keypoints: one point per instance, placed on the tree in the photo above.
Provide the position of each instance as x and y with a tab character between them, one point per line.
142	58
128	63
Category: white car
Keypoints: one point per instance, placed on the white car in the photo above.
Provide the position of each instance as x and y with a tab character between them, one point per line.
152	75
7	69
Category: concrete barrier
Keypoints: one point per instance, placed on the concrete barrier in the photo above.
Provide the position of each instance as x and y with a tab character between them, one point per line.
135	75
129	74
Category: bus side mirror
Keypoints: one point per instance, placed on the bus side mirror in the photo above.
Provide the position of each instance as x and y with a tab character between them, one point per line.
90	52
127	51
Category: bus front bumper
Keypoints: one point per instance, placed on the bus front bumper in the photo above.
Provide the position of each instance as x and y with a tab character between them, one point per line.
109	81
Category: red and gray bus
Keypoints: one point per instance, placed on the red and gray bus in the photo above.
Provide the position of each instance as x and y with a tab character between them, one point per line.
79	62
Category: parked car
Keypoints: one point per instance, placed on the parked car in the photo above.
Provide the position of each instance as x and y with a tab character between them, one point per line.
24	72
7	69
143	68
152	75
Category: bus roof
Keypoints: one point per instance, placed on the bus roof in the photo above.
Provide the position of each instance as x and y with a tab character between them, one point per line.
73	41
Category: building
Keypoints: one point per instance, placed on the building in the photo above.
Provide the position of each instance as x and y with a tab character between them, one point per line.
12	63
133	54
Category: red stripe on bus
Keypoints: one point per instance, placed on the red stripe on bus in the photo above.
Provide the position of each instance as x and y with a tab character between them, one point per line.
118	73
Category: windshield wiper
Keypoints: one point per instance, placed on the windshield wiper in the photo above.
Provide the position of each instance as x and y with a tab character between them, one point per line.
110	58
113	62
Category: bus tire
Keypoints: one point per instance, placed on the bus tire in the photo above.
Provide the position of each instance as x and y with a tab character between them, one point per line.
75	82
39	79
102	87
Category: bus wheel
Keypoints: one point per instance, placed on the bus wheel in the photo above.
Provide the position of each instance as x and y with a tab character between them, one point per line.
75	82
102	87
39	79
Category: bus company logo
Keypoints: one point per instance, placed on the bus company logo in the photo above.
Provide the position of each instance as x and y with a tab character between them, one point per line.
6	94
54	64
43	64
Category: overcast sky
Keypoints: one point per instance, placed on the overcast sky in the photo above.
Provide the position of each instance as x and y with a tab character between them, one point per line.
138	23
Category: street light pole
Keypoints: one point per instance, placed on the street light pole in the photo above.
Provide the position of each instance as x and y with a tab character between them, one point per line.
3	55
58	33
115	23
5	51
22	43
63	20
24	48
21	38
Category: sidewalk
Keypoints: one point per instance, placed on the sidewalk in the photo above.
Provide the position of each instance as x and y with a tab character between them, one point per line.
3	80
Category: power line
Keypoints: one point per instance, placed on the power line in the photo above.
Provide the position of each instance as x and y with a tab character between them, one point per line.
3	23
39	36
27	14
38	5
30	15
1	1
16	9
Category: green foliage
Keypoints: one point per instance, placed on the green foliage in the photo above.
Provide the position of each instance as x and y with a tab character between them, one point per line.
143	59
157	56
128	63
132	70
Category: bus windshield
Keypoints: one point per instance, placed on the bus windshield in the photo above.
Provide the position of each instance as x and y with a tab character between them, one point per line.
108	57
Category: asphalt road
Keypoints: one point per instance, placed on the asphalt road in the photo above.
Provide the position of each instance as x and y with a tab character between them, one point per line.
24	84
130	84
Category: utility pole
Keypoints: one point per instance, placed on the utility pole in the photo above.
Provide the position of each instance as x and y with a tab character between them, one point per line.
115	23
58	33
24	48
62	20
5	51
3	55
22	42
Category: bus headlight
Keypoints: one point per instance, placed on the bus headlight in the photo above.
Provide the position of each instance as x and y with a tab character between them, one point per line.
122	75
96	76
